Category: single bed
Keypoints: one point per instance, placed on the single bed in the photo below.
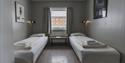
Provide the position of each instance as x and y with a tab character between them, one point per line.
105	54
28	50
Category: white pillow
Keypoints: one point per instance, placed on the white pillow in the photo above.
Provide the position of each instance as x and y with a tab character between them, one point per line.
78	34
21	45
38	35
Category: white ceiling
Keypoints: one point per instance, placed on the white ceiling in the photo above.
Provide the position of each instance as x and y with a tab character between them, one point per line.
58	0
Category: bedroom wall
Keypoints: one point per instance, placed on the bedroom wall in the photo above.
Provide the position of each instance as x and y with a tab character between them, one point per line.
10	31
57	0
6	49
21	30
1	30
37	13
111	29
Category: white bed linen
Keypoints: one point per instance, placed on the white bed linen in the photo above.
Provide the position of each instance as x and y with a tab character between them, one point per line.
93	55
77	34
31	55
38	35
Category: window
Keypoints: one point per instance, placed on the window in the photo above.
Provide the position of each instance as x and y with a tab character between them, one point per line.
58	21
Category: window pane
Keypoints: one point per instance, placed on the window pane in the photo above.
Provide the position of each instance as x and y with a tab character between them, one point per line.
58	20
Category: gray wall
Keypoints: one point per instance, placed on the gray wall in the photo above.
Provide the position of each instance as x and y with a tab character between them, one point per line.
21	30
110	30
8	28
57	0
6	51
38	15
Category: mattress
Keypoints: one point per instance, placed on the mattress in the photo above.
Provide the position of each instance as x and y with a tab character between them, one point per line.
93	55
31	55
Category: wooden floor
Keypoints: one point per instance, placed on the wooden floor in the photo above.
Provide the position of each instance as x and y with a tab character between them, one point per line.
58	54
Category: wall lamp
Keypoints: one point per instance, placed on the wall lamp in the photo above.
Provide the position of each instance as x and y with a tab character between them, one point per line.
30	22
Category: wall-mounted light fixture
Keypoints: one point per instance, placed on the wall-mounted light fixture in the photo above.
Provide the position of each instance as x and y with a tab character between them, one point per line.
30	22
85	20
86	23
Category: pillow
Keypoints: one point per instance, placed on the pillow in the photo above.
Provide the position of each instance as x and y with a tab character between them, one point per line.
38	35
21	45
78	34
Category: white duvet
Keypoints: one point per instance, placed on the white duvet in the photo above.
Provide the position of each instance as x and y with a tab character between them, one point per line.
37	45
93	55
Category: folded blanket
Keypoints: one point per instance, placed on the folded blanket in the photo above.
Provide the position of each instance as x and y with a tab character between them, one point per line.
21	46
94	44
